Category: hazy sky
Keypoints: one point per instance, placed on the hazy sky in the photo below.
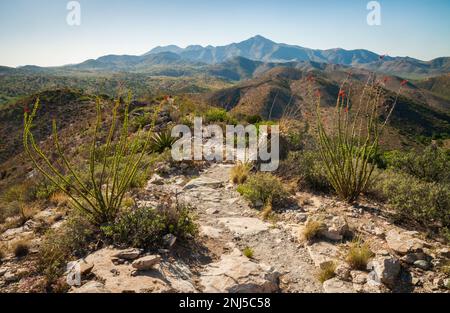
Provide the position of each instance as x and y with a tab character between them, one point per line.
36	31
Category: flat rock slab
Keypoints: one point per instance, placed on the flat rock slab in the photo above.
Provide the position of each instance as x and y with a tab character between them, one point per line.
90	287
244	225
203	182
234	273
404	242
322	253
336	285
122	278
210	232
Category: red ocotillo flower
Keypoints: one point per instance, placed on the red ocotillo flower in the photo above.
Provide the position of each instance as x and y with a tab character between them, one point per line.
404	82
385	79
341	93
346	109
26	109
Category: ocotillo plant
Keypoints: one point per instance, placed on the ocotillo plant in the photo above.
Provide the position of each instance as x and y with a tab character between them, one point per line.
110	172
347	148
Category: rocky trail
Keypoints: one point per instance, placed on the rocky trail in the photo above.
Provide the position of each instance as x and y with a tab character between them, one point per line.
404	261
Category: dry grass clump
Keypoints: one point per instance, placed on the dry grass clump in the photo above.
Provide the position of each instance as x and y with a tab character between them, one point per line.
311	230
326	272
59	199
240	172
359	255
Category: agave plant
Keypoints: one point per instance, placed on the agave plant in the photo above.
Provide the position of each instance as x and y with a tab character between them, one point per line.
110	174
162	141
353	138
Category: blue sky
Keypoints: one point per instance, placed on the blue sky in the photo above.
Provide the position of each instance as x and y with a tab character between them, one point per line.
36	32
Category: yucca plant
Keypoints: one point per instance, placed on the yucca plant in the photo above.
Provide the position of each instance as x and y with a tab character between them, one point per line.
162	141
110	172
353	139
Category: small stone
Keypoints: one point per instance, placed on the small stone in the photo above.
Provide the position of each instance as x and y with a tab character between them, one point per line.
444	253
212	211
359	277
422	264
156	180
342	271
301	217
10	277
147	262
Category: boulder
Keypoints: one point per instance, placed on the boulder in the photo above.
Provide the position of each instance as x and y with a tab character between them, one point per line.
422	264
403	243
234	273
336	285
323	253
147	262
335	228
385	269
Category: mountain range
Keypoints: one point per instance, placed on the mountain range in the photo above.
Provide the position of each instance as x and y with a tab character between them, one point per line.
251	56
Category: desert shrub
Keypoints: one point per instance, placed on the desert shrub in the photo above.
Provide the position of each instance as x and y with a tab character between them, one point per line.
59	246
311	230
146	227
240	172
426	203
347	148
21	249
359	255
326	272
162	141
109	178
308	168
248	252
261	187
214	115
253	119
432	164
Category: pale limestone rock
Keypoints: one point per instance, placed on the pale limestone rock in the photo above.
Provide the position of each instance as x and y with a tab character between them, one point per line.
336	285
234	273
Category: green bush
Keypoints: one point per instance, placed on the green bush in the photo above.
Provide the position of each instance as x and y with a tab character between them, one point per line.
59	246
261	187
426	203
432	164
219	115
307	167
146	227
